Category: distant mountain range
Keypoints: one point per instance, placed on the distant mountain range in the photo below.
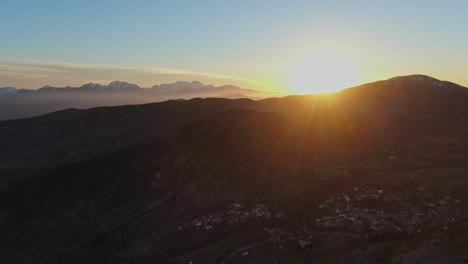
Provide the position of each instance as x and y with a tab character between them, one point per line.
119	86
22	103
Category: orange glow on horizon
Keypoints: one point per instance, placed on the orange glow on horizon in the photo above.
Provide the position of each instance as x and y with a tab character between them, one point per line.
324	70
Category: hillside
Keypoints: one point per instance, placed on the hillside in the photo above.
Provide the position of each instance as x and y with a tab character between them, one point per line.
373	174
23	103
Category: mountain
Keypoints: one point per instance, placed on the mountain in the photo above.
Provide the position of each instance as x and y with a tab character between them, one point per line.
119	86
180	86
49	88
122	86
374	174
8	91
27	103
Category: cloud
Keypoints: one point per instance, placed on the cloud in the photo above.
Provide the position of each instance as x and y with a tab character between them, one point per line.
37	74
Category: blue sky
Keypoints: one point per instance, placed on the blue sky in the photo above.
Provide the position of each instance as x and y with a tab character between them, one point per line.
251	43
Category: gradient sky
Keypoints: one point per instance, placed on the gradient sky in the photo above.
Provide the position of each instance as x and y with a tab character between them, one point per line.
246	42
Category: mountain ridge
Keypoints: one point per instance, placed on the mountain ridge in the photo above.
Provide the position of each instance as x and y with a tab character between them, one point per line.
25	103
119	86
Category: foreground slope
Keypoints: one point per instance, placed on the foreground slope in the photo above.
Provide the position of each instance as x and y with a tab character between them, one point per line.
376	173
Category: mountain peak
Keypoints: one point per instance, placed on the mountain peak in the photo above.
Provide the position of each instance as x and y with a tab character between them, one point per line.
47	88
8	90
120	86
181	86
415	78
418	80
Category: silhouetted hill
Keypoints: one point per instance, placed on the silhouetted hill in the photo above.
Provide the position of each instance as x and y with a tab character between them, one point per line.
339	178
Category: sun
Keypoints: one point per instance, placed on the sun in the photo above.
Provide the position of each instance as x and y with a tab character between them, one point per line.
322	71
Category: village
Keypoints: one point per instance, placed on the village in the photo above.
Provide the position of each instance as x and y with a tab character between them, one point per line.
373	213
378	212
237	213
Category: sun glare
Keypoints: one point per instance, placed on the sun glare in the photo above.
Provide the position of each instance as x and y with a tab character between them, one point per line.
322	71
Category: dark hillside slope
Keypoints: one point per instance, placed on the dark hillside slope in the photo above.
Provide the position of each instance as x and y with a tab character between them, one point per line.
343	178
75	134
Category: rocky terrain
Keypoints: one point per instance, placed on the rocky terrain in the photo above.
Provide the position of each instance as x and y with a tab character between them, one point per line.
374	174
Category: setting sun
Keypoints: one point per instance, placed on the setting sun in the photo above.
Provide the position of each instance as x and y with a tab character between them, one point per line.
322	71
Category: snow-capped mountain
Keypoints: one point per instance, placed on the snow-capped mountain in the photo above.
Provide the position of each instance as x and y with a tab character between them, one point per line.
121	86
8	91
181	86
91	86
420	79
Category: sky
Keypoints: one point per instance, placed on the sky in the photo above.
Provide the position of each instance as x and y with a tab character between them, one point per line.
297	46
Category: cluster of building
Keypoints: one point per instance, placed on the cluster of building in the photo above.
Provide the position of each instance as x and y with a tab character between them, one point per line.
372	212
239	213
378	212
236	213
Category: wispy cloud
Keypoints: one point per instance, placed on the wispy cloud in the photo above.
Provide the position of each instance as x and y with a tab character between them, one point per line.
32	74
